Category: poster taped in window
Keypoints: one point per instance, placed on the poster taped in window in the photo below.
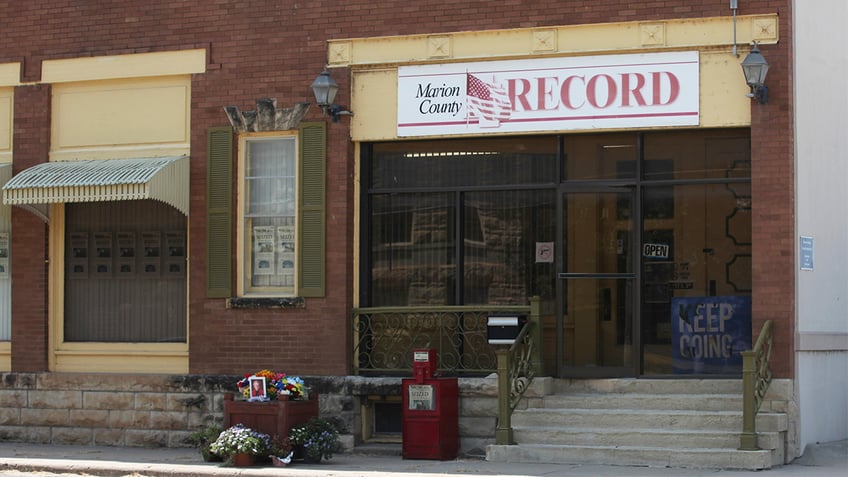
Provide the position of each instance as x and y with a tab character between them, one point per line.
102	255
263	250
285	257
151	246
175	261
126	255
78	260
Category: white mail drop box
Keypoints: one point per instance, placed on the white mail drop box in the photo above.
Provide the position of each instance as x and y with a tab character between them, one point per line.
503	329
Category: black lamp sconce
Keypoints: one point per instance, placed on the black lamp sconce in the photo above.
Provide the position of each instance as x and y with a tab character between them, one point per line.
755	68
325	88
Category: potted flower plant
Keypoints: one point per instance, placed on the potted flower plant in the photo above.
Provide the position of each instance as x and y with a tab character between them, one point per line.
318	439
240	445
203	439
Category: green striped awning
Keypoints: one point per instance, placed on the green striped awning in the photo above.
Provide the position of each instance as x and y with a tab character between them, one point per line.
160	178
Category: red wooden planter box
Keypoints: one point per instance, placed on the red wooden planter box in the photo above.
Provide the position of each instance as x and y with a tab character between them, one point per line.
274	418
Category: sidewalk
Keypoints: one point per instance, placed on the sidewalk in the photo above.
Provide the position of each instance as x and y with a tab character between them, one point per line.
822	461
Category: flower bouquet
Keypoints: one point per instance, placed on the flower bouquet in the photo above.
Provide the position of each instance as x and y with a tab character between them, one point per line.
318	438
241	440
266	385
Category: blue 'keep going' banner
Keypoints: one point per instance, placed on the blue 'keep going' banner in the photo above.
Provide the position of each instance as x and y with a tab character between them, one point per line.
709	333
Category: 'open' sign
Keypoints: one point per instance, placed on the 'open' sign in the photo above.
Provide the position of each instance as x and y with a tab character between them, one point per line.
655	250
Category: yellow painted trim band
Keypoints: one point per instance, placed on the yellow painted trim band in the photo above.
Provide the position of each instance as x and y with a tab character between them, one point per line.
622	37
5	356
124	66
10	74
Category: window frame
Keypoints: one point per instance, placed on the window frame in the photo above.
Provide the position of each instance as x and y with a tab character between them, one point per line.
243	241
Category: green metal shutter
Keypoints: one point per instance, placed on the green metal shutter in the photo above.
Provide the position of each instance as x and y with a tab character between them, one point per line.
219	213
313	151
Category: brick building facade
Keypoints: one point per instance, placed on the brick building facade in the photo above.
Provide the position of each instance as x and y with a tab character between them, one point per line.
237	53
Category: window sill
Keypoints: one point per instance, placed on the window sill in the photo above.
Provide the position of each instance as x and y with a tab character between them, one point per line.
246	303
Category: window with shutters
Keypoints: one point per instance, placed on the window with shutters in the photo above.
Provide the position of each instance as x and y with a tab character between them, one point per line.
268	209
279	216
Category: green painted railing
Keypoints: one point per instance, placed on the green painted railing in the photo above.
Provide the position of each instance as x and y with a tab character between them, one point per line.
756	377
518	364
384	337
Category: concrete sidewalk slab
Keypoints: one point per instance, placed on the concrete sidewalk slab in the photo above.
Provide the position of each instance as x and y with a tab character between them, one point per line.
831	460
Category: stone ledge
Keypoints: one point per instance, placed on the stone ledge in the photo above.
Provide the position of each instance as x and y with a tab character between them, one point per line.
265	303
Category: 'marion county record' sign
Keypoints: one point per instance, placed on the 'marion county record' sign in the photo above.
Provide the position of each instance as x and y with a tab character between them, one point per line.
592	92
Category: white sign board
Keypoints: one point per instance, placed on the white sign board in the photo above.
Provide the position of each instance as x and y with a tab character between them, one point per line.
590	92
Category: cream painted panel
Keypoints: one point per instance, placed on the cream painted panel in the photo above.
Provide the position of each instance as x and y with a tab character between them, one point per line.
6	124
129	358
10	74
374	104
5	357
723	90
109	114
136	65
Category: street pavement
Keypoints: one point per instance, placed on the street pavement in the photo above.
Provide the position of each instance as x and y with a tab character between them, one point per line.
31	460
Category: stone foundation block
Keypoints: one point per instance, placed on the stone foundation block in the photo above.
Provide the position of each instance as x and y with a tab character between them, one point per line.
129	419
78	436
45	417
13	398
10	416
151	402
168	420
108	400
478	407
142	438
108	437
89	418
54	399
37	434
477	426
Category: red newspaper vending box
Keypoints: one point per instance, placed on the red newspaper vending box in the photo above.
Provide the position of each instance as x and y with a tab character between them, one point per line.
430	411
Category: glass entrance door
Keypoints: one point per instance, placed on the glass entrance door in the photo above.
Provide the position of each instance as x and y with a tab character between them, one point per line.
596	286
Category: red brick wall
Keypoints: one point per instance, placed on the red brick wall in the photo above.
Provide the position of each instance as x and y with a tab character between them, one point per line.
275	49
31	144
773	190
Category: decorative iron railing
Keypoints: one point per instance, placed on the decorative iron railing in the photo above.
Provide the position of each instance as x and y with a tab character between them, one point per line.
516	370
756	377
384	338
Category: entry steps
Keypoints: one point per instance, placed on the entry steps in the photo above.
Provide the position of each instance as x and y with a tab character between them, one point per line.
645	422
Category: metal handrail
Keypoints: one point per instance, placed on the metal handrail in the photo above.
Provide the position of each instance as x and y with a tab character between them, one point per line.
518	364
756	377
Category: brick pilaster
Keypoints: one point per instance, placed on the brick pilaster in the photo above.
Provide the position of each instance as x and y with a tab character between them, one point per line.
31	145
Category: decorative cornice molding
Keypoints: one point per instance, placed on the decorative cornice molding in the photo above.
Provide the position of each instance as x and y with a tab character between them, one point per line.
267	116
622	37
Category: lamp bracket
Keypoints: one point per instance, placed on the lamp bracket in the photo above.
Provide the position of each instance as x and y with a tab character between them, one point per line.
335	111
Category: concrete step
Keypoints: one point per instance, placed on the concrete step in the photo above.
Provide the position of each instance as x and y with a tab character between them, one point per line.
632	400
648	386
660	438
632	455
379	448
676	423
730	421
628	419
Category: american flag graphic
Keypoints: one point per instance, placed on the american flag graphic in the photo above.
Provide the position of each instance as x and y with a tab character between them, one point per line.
488	101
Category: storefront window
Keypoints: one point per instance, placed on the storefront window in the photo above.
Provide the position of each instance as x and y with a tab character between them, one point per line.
649	234
696	297
125	272
415	259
